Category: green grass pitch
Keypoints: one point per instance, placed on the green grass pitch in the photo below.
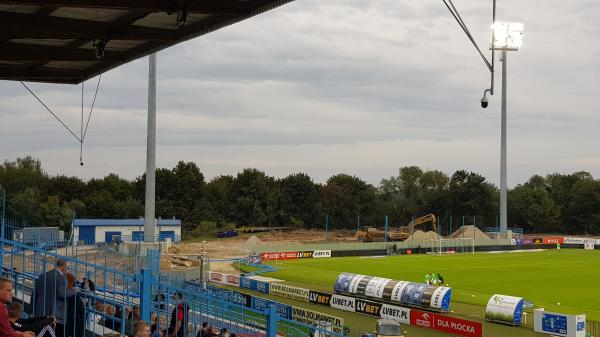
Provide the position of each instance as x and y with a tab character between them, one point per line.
570	277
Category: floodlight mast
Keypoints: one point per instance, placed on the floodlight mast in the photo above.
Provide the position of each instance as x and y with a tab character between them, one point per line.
506	37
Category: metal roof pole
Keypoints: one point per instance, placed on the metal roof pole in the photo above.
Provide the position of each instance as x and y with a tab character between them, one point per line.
149	216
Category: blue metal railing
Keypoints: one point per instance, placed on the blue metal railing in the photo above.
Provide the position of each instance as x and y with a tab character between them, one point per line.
127	282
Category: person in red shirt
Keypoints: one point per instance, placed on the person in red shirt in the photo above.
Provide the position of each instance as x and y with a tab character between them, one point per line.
6	297
179	317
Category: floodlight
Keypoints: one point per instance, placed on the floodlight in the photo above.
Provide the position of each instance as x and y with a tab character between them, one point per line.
507	35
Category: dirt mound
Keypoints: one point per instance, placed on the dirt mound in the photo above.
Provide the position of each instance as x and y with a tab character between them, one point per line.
470	231
423	236
253	241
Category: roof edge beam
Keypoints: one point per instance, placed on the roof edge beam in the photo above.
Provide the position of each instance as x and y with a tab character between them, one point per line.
218	7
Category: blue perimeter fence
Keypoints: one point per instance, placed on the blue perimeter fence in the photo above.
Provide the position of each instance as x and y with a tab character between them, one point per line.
125	288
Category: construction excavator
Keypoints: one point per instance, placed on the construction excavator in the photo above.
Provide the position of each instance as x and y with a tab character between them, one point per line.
371	234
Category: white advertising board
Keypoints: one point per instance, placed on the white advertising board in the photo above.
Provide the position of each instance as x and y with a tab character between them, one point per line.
396	313
345	303
321	254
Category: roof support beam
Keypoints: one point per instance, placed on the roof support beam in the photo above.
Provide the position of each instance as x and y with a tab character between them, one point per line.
234	7
21	52
22	26
40	75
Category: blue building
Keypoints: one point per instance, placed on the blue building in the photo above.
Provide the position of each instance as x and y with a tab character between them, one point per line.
91	231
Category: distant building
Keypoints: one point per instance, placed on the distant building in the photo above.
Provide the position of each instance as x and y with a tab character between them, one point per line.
92	231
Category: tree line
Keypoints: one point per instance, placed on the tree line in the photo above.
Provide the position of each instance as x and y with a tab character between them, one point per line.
556	203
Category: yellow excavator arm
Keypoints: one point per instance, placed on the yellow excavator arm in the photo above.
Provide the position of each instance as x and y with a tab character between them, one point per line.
422	220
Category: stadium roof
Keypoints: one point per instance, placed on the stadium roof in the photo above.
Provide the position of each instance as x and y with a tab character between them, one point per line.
69	41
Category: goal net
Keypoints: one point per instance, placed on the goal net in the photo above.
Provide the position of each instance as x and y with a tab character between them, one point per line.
450	246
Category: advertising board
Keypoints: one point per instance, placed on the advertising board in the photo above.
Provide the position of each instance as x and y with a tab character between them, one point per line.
367	307
396	313
558	324
457	326
309	254
502	308
222	278
232	280
445	323
421	318
320	298
548	240
216	277
295	293
345	303
305	255
321	254
260	286
262	304
575	240
230	296
278	256
313	318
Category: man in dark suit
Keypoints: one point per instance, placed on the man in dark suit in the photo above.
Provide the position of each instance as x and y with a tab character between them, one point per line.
51	294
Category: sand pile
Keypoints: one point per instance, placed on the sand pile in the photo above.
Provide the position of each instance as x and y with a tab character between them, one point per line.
253	241
470	231
423	236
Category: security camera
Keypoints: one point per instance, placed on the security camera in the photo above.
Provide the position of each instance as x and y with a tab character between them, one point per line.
484	102
484	99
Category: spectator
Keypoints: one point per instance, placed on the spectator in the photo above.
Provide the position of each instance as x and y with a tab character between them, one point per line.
224	332
204	331
6	330
88	284
75	311
54	301
97	316
109	320
134	316
179	317
35	324
141	329
212	332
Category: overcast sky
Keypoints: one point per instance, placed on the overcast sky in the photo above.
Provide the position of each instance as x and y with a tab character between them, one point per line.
338	86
